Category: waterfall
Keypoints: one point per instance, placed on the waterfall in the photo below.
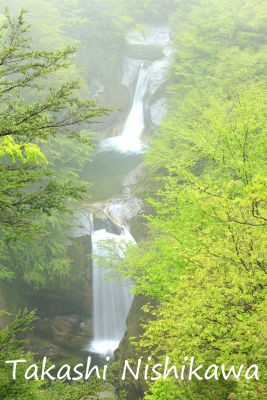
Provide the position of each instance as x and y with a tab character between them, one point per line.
129	140
111	299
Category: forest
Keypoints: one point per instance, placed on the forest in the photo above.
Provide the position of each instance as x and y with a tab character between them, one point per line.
197	263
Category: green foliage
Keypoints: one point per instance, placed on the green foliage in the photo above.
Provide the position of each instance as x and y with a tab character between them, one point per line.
73	391
205	261
32	195
163	390
47	260
12	348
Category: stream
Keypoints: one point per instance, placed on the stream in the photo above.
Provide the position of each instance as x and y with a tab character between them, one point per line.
115	158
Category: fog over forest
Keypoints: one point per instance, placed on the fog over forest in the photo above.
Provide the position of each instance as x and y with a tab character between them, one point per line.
133	199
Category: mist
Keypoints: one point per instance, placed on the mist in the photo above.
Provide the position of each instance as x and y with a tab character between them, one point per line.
132	190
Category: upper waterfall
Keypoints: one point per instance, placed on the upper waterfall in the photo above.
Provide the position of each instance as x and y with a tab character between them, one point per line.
129	141
150	77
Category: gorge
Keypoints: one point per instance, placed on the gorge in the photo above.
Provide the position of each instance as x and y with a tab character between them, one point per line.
111	301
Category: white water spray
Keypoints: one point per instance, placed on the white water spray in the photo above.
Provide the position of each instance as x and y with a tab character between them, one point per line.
130	139
111	299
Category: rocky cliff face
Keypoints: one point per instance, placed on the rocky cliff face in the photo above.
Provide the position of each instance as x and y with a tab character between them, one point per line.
127	351
65	310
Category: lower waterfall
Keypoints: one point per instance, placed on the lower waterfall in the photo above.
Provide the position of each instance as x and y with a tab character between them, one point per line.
111	299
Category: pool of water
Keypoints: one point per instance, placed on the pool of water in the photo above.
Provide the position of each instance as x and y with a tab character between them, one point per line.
106	172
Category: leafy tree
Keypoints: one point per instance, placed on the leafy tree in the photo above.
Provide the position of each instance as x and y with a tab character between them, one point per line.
32	112
12	348
205	261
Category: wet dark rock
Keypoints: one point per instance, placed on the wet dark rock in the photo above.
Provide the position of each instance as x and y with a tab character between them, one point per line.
52	351
63	328
86	328
126	350
70	330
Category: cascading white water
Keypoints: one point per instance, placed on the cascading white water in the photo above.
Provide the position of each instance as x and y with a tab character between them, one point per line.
111	299
129	140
